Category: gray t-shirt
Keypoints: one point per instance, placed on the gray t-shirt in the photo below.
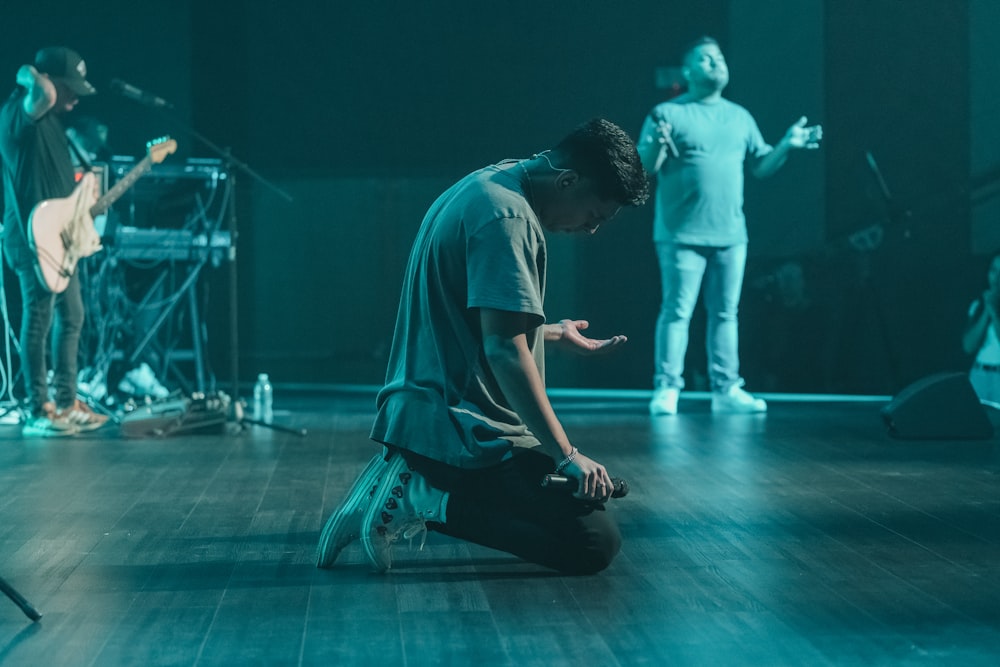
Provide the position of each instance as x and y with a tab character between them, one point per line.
479	246
699	195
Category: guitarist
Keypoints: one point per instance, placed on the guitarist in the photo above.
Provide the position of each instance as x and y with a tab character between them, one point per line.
37	166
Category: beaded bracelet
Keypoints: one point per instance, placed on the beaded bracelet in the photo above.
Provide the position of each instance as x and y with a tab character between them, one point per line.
566	461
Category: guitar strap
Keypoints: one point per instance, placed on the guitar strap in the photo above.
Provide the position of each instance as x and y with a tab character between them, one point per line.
81	155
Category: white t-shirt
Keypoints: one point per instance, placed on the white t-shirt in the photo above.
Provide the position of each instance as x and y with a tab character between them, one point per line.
699	193
989	351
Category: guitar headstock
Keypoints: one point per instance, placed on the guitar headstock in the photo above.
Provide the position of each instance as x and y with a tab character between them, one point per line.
159	149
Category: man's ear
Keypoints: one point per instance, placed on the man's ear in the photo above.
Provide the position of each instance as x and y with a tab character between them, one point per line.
567	179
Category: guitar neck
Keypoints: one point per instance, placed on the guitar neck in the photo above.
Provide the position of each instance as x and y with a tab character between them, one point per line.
123	184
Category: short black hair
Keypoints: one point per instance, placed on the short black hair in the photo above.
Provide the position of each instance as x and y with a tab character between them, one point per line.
694	44
604	153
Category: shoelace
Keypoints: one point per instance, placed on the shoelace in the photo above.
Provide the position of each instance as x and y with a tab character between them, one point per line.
417	528
407	531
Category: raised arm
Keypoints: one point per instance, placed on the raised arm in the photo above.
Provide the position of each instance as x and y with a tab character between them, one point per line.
797	137
505	345
41	95
655	144
980	319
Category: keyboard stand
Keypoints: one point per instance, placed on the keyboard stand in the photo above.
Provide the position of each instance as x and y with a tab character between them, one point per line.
187	292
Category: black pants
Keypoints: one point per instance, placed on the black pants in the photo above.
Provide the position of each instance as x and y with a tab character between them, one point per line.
505	507
39	305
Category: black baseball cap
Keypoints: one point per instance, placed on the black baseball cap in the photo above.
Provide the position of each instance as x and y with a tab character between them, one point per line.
65	64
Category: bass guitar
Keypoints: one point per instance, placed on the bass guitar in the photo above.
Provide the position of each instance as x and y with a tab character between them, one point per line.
61	231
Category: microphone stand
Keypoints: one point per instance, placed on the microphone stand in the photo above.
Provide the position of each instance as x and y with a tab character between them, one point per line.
17	599
232	164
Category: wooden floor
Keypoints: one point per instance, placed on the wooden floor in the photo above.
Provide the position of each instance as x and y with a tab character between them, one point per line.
803	537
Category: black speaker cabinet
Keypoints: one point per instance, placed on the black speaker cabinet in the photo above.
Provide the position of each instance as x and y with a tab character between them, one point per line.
938	407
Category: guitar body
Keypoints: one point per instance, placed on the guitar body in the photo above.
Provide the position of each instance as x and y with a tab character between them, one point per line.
61	232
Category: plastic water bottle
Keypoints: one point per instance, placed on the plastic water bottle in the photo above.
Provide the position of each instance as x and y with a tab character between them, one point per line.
263	400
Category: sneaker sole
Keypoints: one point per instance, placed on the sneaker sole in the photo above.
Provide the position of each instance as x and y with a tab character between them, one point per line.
49	433
336	535
87	428
738	411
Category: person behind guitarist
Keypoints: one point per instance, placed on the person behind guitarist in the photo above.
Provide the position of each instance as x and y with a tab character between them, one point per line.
37	166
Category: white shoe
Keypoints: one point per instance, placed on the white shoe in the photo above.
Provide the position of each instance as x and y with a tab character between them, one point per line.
735	400
95	387
664	401
141	381
400	507
345	524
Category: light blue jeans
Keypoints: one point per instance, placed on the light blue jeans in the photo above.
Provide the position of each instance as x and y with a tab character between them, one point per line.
682	269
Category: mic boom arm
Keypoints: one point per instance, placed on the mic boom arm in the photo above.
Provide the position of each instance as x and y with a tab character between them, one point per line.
138	95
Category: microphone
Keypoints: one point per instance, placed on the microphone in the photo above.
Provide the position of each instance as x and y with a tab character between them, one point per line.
667	139
553	481
878	177
139	95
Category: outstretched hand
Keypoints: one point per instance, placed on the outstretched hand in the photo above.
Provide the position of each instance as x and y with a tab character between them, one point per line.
567	333
800	136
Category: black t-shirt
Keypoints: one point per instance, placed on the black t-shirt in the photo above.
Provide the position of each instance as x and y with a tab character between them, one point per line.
36	166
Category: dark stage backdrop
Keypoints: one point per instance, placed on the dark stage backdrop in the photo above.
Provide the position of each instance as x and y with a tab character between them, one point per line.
364	112
897	83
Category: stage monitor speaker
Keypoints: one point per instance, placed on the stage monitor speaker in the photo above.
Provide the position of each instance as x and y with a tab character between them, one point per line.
943	406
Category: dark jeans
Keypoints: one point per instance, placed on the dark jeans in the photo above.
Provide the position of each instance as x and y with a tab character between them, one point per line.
37	320
505	507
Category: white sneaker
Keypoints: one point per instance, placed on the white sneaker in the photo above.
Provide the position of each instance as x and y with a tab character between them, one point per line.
141	381
92	383
345	524
401	506
664	401
735	400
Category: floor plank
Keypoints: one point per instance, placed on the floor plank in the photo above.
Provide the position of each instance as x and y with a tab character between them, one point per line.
806	536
